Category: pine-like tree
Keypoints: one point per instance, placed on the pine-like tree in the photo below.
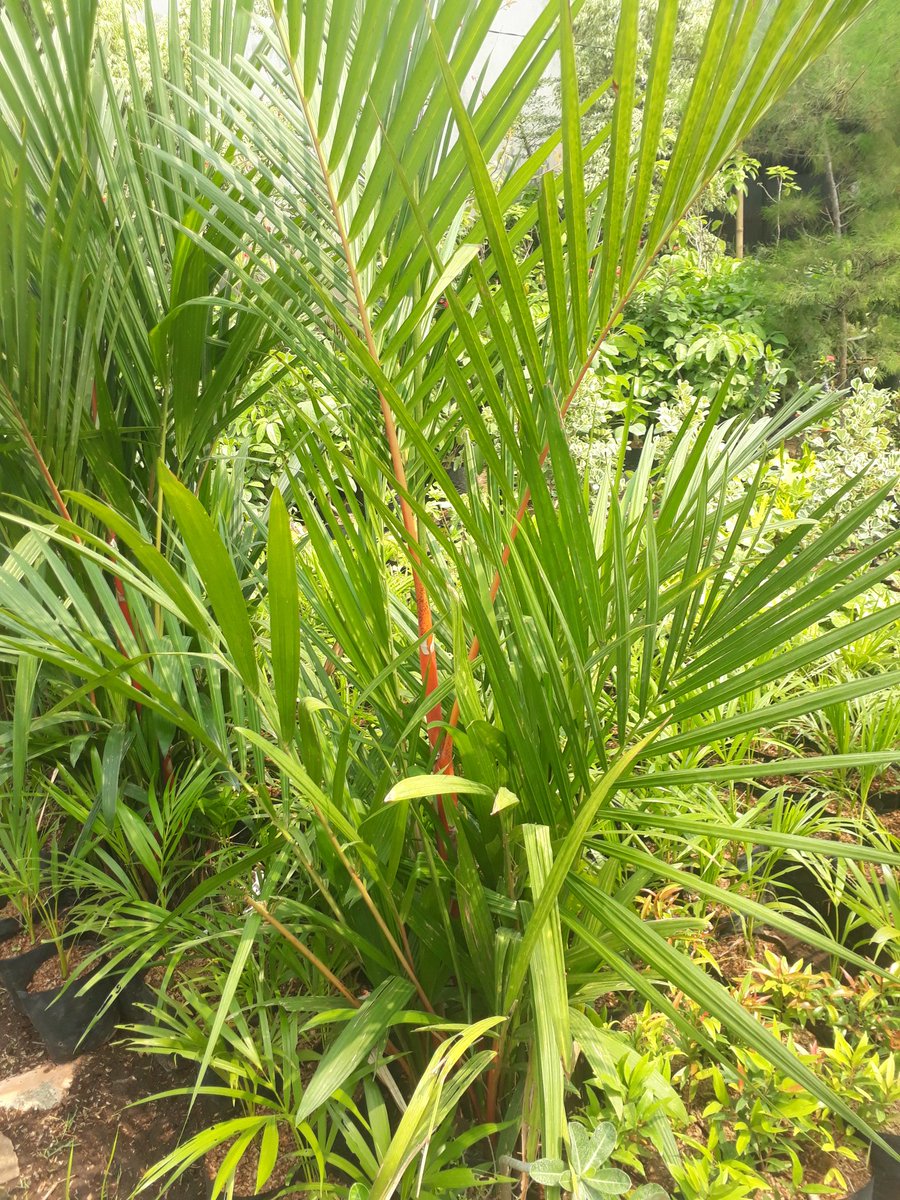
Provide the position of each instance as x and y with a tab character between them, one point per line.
832	277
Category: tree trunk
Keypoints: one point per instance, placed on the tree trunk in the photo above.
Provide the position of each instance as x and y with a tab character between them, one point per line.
739	226
739	219
843	343
834	200
834	209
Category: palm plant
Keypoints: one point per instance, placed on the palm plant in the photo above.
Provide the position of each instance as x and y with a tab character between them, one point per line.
474	730
22	874
121	339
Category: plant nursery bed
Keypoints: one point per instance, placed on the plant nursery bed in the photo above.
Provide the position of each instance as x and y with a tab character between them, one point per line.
98	1138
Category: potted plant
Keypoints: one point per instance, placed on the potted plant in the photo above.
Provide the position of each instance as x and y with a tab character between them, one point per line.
40	966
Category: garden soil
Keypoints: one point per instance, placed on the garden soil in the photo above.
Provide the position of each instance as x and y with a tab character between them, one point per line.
109	1143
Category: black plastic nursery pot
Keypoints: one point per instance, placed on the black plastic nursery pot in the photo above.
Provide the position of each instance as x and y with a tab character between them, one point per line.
134	1000
17	972
885	1181
9	927
797	881
884	802
68	1020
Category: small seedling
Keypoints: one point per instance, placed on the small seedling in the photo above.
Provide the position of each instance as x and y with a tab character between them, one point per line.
585	1176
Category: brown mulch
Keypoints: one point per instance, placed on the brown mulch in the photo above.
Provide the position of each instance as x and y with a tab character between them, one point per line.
245	1176
816	1167
19	943
49	974
891	822
20	1047
735	957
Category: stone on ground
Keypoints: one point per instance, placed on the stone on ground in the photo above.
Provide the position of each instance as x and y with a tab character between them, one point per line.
9	1164
39	1090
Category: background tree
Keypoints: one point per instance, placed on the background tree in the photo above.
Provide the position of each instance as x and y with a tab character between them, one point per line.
595	49
833	279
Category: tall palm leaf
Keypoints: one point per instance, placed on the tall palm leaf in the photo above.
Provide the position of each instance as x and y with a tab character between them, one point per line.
396	180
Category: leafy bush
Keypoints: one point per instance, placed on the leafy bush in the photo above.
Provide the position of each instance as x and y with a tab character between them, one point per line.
696	322
692	326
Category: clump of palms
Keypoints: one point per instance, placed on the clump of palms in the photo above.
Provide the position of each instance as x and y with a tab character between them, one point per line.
469	741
